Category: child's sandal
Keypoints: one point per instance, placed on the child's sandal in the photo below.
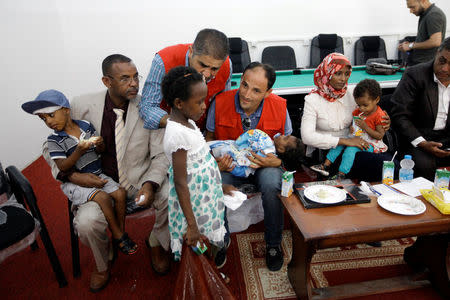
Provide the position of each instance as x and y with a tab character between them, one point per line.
125	244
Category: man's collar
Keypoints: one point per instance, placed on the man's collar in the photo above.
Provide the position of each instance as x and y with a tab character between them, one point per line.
438	81
110	104
426	10
239	109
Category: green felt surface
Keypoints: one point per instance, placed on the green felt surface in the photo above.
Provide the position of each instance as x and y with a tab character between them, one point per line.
287	79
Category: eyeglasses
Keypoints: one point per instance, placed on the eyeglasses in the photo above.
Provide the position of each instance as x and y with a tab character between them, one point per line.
246	123
127	80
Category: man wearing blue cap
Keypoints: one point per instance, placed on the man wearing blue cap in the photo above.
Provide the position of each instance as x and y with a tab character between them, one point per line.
133	156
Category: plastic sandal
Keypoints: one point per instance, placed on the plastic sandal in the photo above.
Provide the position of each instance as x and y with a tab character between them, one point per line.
125	244
320	169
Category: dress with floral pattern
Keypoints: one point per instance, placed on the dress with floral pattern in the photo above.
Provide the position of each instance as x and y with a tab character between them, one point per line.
204	183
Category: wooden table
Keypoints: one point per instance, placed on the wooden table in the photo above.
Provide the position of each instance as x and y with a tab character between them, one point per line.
320	228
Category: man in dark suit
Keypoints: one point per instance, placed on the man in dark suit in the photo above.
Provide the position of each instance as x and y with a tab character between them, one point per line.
420	116
420	112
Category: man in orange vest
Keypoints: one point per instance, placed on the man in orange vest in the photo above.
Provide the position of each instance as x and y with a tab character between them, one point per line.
208	55
254	106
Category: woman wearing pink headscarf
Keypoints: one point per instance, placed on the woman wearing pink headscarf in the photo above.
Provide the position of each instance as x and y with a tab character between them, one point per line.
327	114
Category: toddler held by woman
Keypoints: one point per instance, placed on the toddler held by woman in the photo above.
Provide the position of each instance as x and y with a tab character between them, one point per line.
368	118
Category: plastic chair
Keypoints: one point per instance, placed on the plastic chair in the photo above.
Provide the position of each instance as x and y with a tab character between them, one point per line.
279	57
239	55
24	194
322	45
369	47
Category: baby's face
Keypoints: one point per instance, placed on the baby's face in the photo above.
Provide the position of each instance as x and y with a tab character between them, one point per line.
284	142
367	105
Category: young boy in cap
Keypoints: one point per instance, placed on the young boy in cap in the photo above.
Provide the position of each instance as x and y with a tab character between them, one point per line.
75	144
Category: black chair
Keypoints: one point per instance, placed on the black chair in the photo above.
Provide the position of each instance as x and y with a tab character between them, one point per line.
239	55
76	269
369	47
24	194
403	56
322	45
279	57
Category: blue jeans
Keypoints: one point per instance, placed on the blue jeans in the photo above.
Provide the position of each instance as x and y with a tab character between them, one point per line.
268	182
347	158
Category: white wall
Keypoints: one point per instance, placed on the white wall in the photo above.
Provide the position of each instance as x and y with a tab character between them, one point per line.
60	44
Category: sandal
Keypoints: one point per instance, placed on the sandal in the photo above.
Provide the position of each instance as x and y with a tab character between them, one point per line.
338	177
320	169
125	244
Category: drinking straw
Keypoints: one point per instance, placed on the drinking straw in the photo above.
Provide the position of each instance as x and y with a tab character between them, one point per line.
395	153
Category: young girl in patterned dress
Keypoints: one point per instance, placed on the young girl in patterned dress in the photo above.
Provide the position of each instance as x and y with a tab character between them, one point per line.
196	209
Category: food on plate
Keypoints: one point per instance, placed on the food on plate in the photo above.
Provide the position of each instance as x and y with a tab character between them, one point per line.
322	193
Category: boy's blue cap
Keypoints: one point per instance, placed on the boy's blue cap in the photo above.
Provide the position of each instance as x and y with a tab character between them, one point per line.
46	99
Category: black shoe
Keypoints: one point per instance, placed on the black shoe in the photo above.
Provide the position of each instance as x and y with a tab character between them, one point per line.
374	244
221	256
274	258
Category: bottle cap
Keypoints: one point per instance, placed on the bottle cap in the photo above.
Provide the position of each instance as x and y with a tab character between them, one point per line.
407	156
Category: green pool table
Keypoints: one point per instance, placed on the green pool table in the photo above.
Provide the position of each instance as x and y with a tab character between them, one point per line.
294	82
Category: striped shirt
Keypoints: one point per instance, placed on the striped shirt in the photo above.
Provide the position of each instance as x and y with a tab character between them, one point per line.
61	145
149	106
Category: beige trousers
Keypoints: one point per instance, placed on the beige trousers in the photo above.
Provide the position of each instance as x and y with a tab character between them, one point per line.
91	225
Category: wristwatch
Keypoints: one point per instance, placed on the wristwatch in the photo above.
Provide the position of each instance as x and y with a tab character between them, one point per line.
411	45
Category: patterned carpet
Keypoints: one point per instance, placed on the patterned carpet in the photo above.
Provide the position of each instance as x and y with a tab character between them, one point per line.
329	266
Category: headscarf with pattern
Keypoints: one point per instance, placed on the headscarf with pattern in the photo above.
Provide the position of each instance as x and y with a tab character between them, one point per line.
331	64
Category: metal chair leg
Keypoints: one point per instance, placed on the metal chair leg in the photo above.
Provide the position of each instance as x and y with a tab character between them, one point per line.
74	243
23	190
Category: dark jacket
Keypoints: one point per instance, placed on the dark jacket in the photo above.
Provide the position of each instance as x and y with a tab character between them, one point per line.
415	103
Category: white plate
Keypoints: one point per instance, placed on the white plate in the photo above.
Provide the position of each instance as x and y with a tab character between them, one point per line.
325	194
402	204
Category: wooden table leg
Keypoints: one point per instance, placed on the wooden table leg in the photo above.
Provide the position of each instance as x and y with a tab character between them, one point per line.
298	268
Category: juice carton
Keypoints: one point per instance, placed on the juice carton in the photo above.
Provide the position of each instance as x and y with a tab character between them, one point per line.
388	172
287	183
357	131
199	249
442	178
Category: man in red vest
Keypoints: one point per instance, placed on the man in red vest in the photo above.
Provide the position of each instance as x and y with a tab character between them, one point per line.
208	55
254	106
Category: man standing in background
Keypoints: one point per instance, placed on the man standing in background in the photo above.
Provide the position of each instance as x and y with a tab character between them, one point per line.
430	31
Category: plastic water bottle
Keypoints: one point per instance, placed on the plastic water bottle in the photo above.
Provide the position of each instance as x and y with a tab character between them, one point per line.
406	172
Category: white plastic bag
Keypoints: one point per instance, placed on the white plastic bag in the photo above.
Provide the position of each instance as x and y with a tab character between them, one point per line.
250	212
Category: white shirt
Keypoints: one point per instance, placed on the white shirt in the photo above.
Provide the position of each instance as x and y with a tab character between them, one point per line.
324	122
178	136
441	118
